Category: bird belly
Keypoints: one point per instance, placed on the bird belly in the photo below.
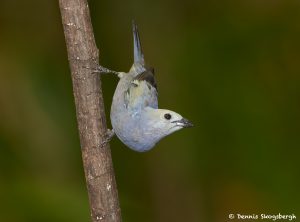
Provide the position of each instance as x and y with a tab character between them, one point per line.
130	132
126	123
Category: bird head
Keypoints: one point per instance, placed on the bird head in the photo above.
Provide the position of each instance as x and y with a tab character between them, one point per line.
162	122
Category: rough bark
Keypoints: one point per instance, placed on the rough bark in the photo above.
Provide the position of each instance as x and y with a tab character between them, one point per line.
97	161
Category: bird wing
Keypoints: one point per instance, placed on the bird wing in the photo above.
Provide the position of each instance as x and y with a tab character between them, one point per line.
142	92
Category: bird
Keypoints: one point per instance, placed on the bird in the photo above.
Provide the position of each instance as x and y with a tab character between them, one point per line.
135	117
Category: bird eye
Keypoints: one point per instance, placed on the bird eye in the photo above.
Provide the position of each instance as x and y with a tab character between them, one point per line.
167	116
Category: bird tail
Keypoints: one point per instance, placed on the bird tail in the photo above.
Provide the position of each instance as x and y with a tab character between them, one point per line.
137	48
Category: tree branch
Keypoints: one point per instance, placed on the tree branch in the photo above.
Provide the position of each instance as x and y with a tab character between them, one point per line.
97	162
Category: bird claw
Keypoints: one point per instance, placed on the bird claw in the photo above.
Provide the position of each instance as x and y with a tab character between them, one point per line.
108	136
101	69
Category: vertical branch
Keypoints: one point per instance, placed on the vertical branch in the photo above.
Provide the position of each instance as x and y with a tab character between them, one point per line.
97	162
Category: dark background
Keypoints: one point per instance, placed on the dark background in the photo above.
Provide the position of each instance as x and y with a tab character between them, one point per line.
230	67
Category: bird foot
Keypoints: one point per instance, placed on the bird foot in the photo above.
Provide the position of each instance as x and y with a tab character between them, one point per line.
108	136
101	69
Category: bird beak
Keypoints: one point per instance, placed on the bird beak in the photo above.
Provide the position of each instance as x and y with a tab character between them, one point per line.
183	123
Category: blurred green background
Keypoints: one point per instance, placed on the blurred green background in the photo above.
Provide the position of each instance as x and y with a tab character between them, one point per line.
231	67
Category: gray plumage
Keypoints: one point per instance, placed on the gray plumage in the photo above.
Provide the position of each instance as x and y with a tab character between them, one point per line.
137	48
135	116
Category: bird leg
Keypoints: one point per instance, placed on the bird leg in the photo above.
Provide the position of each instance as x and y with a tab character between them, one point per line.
108	136
101	69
